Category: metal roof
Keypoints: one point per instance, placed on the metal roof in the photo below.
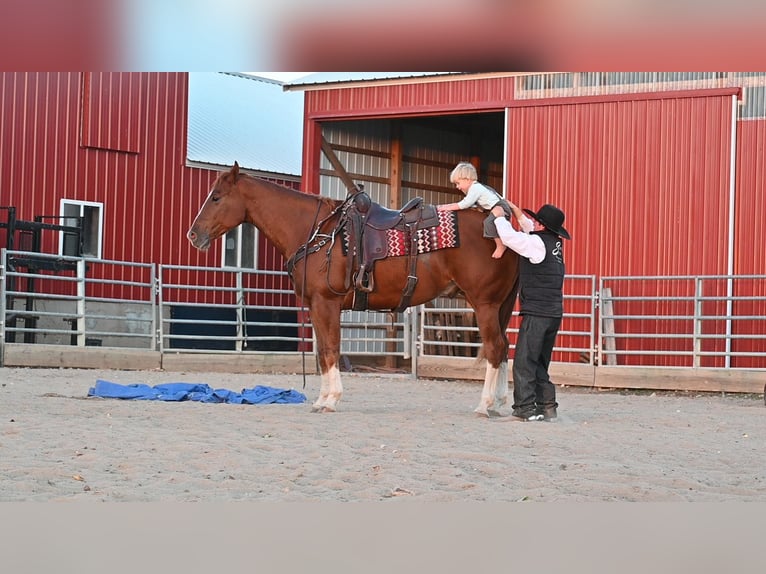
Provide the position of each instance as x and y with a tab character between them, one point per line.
244	118
323	78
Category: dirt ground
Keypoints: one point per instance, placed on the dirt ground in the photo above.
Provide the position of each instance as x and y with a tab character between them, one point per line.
394	438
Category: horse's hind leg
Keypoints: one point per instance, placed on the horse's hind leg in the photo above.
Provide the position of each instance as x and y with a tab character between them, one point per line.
325	317
494	393
501	389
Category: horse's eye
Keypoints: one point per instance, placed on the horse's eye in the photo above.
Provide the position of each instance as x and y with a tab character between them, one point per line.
215	198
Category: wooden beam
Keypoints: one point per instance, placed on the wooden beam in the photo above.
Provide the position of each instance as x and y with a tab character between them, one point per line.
395	197
340	171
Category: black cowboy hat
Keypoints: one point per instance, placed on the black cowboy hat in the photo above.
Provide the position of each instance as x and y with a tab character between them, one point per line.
551	217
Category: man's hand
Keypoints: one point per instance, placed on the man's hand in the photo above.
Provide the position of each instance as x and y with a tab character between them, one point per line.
497	211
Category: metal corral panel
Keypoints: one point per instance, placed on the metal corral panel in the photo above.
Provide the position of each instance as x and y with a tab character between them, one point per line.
644	184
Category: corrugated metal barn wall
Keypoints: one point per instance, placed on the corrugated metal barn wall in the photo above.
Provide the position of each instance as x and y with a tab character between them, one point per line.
633	178
130	156
645	184
749	247
426	96
644	173
115	138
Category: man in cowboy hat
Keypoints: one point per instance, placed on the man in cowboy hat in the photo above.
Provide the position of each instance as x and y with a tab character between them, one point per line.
541	275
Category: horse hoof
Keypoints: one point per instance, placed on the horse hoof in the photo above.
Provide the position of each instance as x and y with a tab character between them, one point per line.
322	409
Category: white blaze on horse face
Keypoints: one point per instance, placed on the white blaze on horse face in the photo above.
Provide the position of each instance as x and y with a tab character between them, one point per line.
191	233
204	203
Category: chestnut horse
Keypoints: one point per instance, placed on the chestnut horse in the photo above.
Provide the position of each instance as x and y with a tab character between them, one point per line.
295	221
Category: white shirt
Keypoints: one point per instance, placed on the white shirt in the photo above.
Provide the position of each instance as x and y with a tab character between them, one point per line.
480	195
522	242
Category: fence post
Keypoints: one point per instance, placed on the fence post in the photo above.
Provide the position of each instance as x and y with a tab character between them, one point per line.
241	328
609	347
416	341
2	308
160	327
154	290
697	341
81	302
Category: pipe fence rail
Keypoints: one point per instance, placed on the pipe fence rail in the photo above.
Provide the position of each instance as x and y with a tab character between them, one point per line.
56	299
448	326
713	321
249	311
688	321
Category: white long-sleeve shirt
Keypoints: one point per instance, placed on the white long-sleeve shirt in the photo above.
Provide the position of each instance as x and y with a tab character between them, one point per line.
479	194
522	242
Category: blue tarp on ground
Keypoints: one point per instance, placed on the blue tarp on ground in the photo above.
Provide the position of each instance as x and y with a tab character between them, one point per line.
258	395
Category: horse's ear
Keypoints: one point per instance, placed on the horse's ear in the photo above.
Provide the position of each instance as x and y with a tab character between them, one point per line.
235	169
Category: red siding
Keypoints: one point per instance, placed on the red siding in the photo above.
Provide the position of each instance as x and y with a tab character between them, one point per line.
633	178
421	97
750	206
110	111
644	185
644	179
131	157
149	198
750	249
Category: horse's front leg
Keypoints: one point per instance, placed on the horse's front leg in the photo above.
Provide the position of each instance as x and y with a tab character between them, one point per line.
325	317
494	393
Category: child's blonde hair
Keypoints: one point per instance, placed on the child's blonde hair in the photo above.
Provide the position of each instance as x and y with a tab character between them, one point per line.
463	170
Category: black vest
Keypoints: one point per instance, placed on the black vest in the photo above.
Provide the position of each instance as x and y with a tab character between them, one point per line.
541	291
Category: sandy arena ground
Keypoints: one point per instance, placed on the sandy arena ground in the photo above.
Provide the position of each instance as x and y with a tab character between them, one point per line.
393	439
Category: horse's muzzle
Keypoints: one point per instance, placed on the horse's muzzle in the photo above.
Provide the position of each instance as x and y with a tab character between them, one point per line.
201	242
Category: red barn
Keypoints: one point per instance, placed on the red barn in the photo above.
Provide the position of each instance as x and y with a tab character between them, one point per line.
660	175
99	165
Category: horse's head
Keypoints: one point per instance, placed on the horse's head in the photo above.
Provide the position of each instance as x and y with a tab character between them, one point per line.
222	211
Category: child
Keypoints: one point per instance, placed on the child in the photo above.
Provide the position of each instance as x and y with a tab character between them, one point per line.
464	177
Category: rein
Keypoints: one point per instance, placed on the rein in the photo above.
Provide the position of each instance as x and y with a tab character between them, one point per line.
306	249
316	241
291	266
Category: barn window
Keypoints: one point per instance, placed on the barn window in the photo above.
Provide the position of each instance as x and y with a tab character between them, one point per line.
91	215
239	247
547	81
754	102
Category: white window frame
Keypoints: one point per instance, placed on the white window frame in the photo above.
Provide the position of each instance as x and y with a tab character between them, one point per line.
66	219
236	236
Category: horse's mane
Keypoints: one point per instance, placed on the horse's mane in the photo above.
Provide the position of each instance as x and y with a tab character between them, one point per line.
328	201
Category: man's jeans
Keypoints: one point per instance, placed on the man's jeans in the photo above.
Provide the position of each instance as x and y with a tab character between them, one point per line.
533	390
